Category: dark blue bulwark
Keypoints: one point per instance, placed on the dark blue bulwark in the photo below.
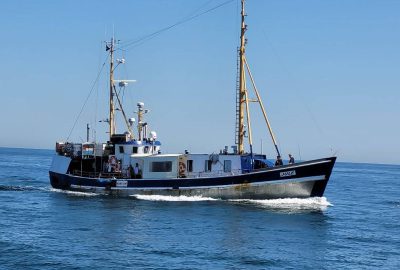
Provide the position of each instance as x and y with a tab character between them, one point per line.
304	169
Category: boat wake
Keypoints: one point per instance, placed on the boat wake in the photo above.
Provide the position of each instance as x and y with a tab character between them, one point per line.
74	193
17	188
292	204
315	203
173	198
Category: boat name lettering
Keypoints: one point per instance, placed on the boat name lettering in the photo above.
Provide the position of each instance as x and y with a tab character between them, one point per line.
288	173
121	183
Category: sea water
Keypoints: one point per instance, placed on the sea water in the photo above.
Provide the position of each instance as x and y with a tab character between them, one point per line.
355	226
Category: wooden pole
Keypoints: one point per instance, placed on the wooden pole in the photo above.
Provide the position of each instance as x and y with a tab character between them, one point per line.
262	107
123	114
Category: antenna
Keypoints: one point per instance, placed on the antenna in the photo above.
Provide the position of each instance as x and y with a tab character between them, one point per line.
87	132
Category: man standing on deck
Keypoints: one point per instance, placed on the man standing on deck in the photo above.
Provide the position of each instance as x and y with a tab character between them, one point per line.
291	159
136	171
278	161
131	171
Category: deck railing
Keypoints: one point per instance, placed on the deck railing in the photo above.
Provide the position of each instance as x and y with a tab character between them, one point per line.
117	175
213	173
123	175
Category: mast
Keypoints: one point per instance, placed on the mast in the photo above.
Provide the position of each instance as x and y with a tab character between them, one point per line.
110	46
242	79
244	95
111	119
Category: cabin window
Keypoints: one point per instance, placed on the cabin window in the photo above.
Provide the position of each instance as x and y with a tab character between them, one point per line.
189	165
154	149
146	149
121	149
134	150
161	166
227	165
208	164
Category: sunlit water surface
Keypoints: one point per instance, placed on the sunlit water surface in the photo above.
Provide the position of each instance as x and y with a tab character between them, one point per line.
355	226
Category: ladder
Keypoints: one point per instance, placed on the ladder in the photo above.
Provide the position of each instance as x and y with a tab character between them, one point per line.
237	97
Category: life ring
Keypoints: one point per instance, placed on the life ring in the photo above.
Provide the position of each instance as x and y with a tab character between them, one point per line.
112	160
182	168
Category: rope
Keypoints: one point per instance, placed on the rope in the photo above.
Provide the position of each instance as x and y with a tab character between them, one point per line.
87	98
97	98
141	40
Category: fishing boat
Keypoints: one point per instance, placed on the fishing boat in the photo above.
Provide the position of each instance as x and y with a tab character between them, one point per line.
132	163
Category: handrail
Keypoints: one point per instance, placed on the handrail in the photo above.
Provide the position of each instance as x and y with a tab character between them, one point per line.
213	173
117	175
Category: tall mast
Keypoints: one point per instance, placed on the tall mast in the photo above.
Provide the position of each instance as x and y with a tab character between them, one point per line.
242	84
244	95
111	48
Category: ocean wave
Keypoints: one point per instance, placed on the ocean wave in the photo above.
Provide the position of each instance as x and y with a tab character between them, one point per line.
173	198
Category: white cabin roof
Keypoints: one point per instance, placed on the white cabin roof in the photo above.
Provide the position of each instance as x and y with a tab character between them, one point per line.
168	155
156	155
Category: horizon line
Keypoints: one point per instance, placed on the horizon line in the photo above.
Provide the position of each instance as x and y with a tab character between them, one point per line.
365	163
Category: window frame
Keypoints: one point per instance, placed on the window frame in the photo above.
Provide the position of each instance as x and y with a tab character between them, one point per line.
189	165
208	165
167	167
226	162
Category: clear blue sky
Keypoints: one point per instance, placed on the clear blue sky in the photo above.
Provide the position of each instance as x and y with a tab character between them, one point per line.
328	72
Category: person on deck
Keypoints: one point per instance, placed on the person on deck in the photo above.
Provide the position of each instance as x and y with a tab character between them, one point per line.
109	167
131	171
137	171
278	161
118	167
291	159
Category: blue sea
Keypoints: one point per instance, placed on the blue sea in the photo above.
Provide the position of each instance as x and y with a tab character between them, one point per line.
355	226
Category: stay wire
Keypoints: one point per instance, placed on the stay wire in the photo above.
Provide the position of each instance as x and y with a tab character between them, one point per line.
97	97
87	98
298	93
187	19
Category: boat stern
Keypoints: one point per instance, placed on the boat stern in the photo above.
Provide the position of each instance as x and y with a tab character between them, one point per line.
59	167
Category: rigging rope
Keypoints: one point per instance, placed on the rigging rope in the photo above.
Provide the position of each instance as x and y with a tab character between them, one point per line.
87	98
299	94
141	40
97	96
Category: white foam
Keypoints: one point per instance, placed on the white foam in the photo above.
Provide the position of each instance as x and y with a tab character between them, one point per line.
292	203
173	198
74	193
